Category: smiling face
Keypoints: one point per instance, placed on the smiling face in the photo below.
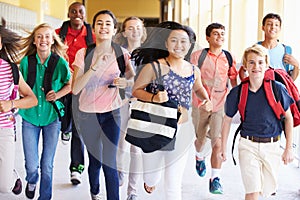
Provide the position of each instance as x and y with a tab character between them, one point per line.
43	39
216	38
256	65
178	43
133	30
104	27
272	28
77	15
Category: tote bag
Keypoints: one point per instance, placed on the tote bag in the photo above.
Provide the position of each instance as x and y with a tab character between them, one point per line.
153	126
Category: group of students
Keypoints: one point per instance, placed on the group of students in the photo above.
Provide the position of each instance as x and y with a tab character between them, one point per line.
86	68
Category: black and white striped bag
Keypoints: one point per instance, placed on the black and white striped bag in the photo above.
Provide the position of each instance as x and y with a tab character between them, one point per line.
153	126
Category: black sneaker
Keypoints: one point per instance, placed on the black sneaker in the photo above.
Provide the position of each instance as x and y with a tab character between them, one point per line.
18	187
30	190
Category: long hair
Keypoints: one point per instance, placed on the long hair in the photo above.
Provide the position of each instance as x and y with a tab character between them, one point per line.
10	44
154	46
28	48
120	39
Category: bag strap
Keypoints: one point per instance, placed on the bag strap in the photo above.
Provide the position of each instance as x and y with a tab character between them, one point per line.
16	78
64	29
204	53
47	84
158	74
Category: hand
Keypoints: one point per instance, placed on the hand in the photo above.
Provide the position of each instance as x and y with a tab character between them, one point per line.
223	156
102	61
161	96
5	106
290	60
287	156
120	82
206	105
51	96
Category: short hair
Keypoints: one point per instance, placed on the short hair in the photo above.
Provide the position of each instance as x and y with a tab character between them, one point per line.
107	12
271	16
212	26
259	50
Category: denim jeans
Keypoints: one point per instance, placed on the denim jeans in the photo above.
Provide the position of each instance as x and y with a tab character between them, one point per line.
30	136
102	150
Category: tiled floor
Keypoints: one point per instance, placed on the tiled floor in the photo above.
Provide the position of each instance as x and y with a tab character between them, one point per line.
193	187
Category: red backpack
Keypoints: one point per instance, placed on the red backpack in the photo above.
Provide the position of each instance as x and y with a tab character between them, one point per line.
272	95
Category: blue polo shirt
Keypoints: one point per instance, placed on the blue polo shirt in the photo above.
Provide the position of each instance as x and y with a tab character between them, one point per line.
260	120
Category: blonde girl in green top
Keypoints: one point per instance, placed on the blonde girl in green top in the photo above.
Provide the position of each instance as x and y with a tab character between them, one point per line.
41	43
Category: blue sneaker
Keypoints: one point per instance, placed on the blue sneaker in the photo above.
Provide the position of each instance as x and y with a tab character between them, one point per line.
200	167
215	186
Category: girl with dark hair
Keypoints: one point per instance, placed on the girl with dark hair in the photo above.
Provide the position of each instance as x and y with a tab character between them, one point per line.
98	84
168	44
9	48
131	36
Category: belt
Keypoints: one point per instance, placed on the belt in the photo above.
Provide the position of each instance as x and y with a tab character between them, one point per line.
261	139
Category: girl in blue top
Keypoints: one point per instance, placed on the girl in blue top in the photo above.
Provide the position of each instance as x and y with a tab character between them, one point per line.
169	44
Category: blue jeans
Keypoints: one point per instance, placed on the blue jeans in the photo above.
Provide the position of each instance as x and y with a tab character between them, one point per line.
30	136
102	150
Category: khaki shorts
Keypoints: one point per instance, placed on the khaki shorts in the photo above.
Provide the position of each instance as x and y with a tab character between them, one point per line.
207	124
259	164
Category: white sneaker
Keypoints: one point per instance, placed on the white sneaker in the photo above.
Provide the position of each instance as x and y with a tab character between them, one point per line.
132	197
75	178
121	178
97	196
65	138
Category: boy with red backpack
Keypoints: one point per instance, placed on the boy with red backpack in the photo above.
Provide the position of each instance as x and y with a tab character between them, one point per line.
259	147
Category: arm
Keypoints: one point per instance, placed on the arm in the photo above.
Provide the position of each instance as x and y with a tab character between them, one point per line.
128	80
201	92
80	79
145	77
28	99
288	155
290	59
53	96
224	136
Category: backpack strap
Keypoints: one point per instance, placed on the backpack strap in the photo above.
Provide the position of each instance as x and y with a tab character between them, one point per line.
47	84
202	57
273	99
243	94
89	37
64	29
229	58
120	58
31	76
16	78
204	53
52	62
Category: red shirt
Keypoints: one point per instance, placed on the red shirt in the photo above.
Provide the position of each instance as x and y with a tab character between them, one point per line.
75	39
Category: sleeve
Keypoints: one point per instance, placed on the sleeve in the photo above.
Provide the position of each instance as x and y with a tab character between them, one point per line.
64	66
24	67
195	57
79	59
285	98
232	101
232	72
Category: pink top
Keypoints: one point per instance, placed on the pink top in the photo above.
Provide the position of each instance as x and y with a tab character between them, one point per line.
214	75
96	96
6	84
